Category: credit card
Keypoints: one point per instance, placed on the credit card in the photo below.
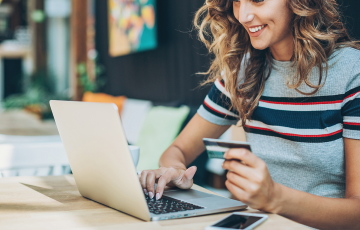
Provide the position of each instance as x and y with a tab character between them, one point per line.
216	148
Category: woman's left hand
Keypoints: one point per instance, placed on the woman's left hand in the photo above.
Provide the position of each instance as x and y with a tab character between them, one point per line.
249	180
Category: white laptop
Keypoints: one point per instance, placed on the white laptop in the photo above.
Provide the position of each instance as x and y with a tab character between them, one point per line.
103	169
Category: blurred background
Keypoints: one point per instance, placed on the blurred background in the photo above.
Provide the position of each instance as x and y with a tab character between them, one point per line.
142	55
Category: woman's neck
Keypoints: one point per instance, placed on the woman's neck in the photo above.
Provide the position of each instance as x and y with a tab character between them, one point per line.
283	51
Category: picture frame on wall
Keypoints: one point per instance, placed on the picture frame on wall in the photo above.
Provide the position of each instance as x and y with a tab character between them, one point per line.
132	26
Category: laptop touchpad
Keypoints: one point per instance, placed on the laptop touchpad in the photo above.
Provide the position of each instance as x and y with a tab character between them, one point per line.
186	194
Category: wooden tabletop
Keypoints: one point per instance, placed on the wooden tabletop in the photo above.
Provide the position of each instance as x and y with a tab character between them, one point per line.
20	122
55	203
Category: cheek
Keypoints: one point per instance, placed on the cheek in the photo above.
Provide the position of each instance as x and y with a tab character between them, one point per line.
283	20
284	28
236	13
278	17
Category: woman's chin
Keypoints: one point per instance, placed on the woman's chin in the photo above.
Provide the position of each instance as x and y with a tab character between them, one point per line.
259	45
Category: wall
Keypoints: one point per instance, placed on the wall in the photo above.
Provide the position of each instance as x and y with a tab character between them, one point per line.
165	74
351	17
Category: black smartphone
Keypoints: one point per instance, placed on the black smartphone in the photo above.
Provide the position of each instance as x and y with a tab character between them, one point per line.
239	221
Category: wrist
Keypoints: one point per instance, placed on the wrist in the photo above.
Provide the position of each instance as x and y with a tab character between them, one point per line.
172	158
277	201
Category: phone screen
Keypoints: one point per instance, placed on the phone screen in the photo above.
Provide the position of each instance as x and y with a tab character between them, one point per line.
237	221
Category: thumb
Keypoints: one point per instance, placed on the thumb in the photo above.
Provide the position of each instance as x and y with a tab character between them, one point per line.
190	172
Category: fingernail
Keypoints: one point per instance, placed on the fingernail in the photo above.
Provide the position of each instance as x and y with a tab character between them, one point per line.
146	192
157	196
151	195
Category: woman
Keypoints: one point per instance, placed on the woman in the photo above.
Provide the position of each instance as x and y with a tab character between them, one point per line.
289	71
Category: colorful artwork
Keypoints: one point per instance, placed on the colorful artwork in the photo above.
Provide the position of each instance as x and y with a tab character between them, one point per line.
132	26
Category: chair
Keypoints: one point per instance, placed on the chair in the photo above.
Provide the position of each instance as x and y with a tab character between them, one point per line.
161	126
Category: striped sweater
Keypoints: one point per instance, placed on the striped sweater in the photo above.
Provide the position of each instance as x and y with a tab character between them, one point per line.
300	137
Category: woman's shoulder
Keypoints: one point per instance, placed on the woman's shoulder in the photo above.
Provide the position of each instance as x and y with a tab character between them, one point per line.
344	64
346	55
345	61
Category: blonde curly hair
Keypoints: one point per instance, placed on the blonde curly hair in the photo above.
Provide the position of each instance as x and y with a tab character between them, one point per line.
317	31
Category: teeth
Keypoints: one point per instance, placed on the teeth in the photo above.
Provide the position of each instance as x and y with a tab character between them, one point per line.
256	29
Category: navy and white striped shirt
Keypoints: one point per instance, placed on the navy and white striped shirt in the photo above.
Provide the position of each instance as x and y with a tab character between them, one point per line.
301	137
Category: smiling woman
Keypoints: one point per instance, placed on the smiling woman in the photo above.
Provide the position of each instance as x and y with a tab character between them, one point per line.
288	71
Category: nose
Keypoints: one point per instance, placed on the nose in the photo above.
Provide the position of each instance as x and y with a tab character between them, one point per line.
245	12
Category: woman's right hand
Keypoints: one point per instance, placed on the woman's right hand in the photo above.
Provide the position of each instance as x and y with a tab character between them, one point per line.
169	176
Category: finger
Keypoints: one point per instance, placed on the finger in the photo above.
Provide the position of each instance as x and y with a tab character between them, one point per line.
172	174
237	180
162	182
143	175
236	191
190	172
150	183
143	180
238	168
243	155
186	179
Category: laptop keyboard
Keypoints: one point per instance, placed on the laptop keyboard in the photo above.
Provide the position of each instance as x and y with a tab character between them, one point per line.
168	205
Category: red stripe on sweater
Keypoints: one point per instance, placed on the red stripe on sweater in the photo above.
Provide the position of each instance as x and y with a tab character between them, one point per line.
351	123
303	103
216	110
351	95
295	135
221	83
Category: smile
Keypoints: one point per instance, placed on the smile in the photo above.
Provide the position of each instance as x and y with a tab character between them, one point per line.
256	29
